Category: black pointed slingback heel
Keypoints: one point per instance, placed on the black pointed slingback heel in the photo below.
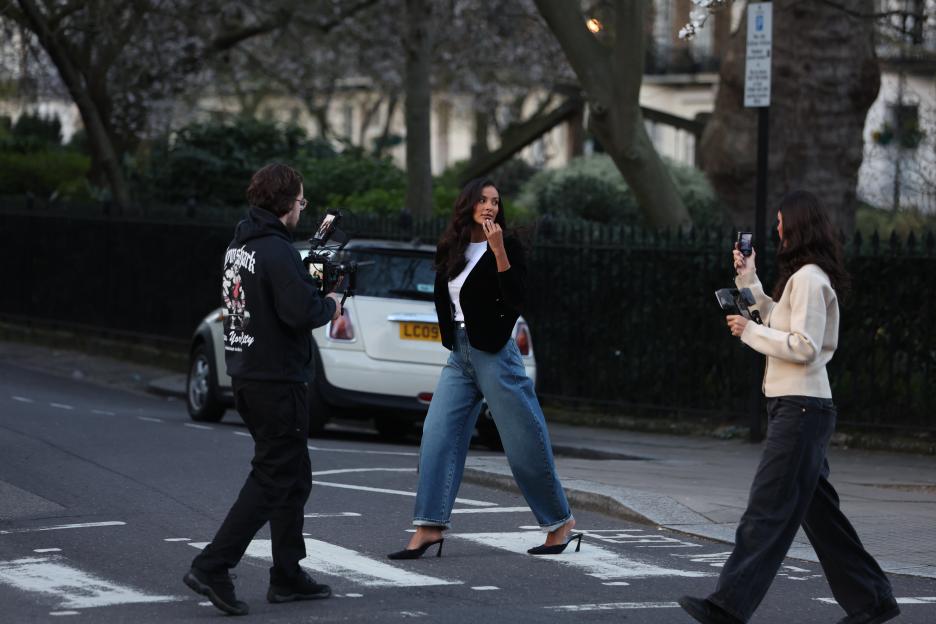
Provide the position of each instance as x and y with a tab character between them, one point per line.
416	553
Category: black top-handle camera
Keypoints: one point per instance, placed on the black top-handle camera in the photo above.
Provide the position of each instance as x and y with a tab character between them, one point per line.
323	261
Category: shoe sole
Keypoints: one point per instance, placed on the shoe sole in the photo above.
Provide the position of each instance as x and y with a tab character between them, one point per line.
205	590
279	598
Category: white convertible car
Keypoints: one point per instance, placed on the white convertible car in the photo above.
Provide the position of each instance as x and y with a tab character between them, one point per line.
381	360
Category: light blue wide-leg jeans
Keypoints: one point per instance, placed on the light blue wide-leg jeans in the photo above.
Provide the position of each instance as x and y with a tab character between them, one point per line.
501	380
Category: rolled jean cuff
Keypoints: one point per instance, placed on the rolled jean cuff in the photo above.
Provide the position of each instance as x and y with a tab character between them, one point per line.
431	523
555	525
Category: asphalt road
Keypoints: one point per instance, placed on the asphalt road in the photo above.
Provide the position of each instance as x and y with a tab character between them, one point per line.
105	495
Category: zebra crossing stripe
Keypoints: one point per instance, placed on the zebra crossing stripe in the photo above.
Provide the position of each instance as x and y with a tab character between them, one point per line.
909	600
332	560
593	560
613	606
69	586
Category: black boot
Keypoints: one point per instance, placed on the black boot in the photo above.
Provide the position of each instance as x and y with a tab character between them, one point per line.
300	588
706	612
219	589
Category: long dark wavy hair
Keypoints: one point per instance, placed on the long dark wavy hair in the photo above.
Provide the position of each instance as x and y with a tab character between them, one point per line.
809	238
450	252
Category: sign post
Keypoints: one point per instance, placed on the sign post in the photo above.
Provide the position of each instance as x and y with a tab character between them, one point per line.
757	95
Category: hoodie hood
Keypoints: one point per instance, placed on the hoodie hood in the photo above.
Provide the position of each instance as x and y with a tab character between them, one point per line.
260	223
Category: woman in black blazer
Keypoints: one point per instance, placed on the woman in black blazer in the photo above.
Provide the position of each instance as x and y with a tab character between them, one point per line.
479	290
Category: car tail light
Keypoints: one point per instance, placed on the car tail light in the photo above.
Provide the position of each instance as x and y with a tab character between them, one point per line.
341	329
524	341
424	397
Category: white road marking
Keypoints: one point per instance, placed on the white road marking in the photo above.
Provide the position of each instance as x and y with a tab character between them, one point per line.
207	603
414	614
918	600
72	588
23	399
63	612
62	406
716	560
149	419
485	588
617	584
639	538
194	426
593	560
177	539
362	452
491	510
45	550
354	595
613	606
85	525
322	473
326	558
103	412
340	514
364	488
243	433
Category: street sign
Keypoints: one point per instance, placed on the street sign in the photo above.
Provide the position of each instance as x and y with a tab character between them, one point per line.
757	59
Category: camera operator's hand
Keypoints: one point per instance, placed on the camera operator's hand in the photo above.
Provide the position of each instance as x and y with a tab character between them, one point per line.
337	299
736	324
743	264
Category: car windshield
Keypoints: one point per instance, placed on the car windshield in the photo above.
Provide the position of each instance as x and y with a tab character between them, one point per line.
393	273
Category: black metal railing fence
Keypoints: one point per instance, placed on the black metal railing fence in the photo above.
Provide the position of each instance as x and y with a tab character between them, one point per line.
619	315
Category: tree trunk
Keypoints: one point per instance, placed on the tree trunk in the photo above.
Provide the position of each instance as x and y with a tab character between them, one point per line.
417	47
612	84
479	146
825	76
103	152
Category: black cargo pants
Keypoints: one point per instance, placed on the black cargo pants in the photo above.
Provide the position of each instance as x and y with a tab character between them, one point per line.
278	485
790	489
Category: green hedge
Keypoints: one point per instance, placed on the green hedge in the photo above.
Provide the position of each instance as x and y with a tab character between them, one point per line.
44	173
592	188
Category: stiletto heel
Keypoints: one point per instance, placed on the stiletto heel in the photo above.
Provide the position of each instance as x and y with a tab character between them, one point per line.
416	553
555	549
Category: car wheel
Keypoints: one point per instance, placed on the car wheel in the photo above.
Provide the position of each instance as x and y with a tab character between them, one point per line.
319	410
200	390
487	431
392	428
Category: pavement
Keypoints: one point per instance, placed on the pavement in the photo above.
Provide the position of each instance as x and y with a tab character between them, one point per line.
694	485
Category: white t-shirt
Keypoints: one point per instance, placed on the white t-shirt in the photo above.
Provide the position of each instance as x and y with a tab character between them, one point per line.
473	253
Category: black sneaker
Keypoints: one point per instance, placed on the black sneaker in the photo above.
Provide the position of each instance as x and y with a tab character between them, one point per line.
887	609
300	588
707	612
219	589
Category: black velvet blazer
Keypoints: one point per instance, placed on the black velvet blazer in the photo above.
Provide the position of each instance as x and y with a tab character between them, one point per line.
491	300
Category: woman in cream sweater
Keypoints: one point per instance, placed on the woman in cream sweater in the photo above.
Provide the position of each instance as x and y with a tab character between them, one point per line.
791	487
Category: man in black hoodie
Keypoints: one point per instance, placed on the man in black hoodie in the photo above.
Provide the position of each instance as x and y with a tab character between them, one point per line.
271	305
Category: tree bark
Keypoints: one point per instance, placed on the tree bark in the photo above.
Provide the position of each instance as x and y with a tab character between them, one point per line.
825	76
103	152
417	46
611	79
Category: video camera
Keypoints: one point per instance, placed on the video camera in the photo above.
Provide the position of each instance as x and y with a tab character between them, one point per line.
738	301
323	262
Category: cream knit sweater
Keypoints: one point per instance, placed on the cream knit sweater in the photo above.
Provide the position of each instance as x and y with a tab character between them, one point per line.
799	334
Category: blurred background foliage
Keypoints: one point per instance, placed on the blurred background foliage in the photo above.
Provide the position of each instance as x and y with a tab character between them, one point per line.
209	163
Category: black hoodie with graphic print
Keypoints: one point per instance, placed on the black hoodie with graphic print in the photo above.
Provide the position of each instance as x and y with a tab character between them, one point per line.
271	303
